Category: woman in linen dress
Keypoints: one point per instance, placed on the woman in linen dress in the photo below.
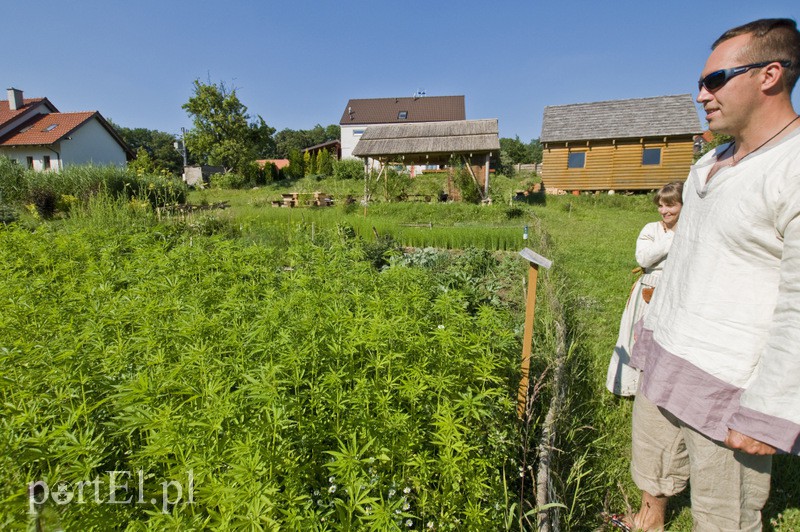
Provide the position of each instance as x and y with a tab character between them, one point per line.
652	247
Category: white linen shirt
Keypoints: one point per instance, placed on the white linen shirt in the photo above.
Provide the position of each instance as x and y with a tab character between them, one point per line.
728	302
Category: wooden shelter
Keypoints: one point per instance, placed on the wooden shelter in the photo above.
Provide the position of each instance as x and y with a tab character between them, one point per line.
435	143
636	144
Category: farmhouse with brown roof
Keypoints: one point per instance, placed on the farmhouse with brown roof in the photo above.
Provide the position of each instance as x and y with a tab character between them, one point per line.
361	113
34	133
635	144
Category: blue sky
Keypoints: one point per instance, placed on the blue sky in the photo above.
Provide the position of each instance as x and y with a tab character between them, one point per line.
297	62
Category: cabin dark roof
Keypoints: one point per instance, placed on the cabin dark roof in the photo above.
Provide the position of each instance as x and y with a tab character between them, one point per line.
616	119
403	110
458	136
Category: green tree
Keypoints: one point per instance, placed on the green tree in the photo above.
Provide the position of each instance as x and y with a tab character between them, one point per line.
295	170
223	134
308	163
287	140
324	163
515	149
143	164
160	147
535	150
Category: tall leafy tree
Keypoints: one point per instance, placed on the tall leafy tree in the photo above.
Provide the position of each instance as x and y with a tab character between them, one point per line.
287	140
535	151
223	134
159	146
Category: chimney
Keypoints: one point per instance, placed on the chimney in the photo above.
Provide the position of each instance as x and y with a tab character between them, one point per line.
15	101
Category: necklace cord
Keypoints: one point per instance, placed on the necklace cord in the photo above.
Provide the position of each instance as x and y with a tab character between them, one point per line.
733	152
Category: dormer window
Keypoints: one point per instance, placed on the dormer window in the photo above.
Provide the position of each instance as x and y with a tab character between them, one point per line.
402	115
49	128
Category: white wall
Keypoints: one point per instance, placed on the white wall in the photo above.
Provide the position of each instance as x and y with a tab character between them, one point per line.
350	136
21	154
92	143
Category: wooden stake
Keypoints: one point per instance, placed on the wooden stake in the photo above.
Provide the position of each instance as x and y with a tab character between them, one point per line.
534	261
527	339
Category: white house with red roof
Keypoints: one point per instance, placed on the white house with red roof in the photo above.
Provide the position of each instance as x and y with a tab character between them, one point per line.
35	134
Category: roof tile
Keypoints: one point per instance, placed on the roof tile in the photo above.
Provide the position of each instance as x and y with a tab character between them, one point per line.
418	109
45	129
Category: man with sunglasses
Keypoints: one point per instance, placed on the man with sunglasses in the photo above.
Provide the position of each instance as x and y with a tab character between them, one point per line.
720	349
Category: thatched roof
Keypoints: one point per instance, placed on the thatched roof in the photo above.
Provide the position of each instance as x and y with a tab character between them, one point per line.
456	136
617	119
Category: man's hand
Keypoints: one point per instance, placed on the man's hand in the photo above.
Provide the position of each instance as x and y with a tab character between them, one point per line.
738	441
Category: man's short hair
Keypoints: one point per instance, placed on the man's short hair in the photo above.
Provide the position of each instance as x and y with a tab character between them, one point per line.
773	39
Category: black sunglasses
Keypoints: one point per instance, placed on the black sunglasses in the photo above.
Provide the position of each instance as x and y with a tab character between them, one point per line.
717	79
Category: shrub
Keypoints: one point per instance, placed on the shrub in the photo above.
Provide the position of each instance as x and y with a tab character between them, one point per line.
228	180
348	169
45	200
466	184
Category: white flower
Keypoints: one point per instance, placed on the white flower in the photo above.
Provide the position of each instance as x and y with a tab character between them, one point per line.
406	506
392	492
332	489
407	490
331	479
409	523
430	525
441	326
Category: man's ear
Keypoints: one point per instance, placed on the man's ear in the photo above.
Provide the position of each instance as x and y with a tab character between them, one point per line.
773	78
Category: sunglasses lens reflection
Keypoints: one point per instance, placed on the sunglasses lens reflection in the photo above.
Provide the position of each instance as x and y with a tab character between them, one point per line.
714	80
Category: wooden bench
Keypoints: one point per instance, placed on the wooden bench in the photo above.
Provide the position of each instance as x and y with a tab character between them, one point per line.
309	199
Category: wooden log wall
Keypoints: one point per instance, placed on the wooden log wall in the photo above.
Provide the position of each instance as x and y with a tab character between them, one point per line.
616	165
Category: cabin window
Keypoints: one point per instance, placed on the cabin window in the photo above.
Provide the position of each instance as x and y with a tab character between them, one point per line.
651	156
576	159
402	115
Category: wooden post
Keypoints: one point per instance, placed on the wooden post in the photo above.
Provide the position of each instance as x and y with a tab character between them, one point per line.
486	175
535	261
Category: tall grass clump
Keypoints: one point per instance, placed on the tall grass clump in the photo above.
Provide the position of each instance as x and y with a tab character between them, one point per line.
54	192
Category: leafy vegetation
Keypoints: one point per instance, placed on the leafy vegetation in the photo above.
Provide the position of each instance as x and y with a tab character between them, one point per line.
315	369
301	387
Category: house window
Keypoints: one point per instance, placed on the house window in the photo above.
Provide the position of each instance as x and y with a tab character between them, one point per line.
51	127
29	162
651	156
576	159
45	162
402	115
358	132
